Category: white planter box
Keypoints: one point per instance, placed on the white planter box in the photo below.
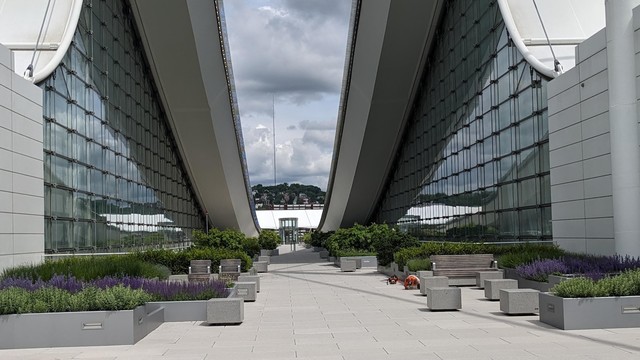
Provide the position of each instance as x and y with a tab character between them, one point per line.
589	313
86	328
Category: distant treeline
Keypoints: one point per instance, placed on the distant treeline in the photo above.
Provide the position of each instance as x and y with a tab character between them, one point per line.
287	194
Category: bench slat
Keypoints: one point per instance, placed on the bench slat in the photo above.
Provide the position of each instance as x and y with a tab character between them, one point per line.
462	265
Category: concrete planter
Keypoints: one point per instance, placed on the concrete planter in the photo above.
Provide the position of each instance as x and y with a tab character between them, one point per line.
86	328
250	278
274	252
195	310
225	311
369	261
261	266
589	313
525	283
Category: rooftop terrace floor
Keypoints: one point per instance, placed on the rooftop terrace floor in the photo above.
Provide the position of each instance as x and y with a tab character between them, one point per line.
308	309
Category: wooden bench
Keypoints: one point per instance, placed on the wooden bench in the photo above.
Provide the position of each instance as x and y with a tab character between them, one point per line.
199	270
229	269
462	269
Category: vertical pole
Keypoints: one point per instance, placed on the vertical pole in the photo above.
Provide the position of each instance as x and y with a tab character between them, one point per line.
207	220
273	118
625	154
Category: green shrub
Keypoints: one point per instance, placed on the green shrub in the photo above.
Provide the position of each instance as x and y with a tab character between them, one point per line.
419	264
354	252
355	237
251	246
227	239
625	284
528	253
319	238
178	261
387	240
507	255
89	268
50	299
269	240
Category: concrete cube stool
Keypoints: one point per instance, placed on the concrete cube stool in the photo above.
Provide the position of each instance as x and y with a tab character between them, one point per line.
250	278
348	265
423	273
519	301
444	298
324	254
267	259
492	287
260	266
432	282
225	311
481	276
247	290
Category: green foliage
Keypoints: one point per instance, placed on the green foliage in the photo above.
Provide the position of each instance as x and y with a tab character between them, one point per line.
251	246
287	193
228	239
508	255
354	252
387	240
319	238
419	264
625	284
525	254
355	237
50	299
89	268
178	261
269	239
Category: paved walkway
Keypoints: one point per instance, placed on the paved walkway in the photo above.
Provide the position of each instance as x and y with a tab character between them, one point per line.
308	309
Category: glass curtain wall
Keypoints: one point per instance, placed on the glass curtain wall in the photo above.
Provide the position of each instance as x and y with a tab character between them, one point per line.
474	159
114	180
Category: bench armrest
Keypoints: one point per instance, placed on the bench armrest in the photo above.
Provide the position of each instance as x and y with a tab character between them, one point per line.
208	269
238	268
494	264
220	269
189	269
433	266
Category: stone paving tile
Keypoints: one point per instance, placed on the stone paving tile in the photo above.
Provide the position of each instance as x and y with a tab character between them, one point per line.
308	309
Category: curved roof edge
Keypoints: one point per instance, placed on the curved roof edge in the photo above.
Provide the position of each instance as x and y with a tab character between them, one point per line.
50	30
195	81
546	31
388	45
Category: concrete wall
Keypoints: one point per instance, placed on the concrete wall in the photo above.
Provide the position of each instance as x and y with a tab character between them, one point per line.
580	152
21	168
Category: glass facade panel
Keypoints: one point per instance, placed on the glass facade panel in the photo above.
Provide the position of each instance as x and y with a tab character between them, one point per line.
113	179
473	162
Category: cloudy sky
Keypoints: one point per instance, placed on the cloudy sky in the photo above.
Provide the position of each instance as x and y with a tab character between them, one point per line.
292	51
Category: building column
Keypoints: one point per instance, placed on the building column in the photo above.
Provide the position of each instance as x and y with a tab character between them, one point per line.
625	154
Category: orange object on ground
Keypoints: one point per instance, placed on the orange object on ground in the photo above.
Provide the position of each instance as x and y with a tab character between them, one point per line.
412	282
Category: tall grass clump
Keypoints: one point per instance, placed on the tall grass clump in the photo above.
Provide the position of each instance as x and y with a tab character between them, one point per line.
88	268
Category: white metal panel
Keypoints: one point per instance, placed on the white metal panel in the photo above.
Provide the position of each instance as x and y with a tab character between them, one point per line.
20	24
567	22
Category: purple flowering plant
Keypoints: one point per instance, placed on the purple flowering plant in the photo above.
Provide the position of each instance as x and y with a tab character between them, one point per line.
593	267
160	290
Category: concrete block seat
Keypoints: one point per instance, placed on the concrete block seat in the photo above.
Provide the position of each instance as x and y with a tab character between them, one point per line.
247	290
250	278
481	276
519	301
432	282
261	266
348	265
225	311
492	287
444	298
265	258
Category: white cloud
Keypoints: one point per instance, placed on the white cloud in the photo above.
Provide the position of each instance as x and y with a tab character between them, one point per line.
292	52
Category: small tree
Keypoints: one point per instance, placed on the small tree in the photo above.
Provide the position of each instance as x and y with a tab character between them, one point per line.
268	239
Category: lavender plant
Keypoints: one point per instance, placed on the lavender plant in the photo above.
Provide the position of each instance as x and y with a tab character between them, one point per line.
158	289
541	269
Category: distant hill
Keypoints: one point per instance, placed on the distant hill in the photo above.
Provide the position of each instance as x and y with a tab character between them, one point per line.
265	196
